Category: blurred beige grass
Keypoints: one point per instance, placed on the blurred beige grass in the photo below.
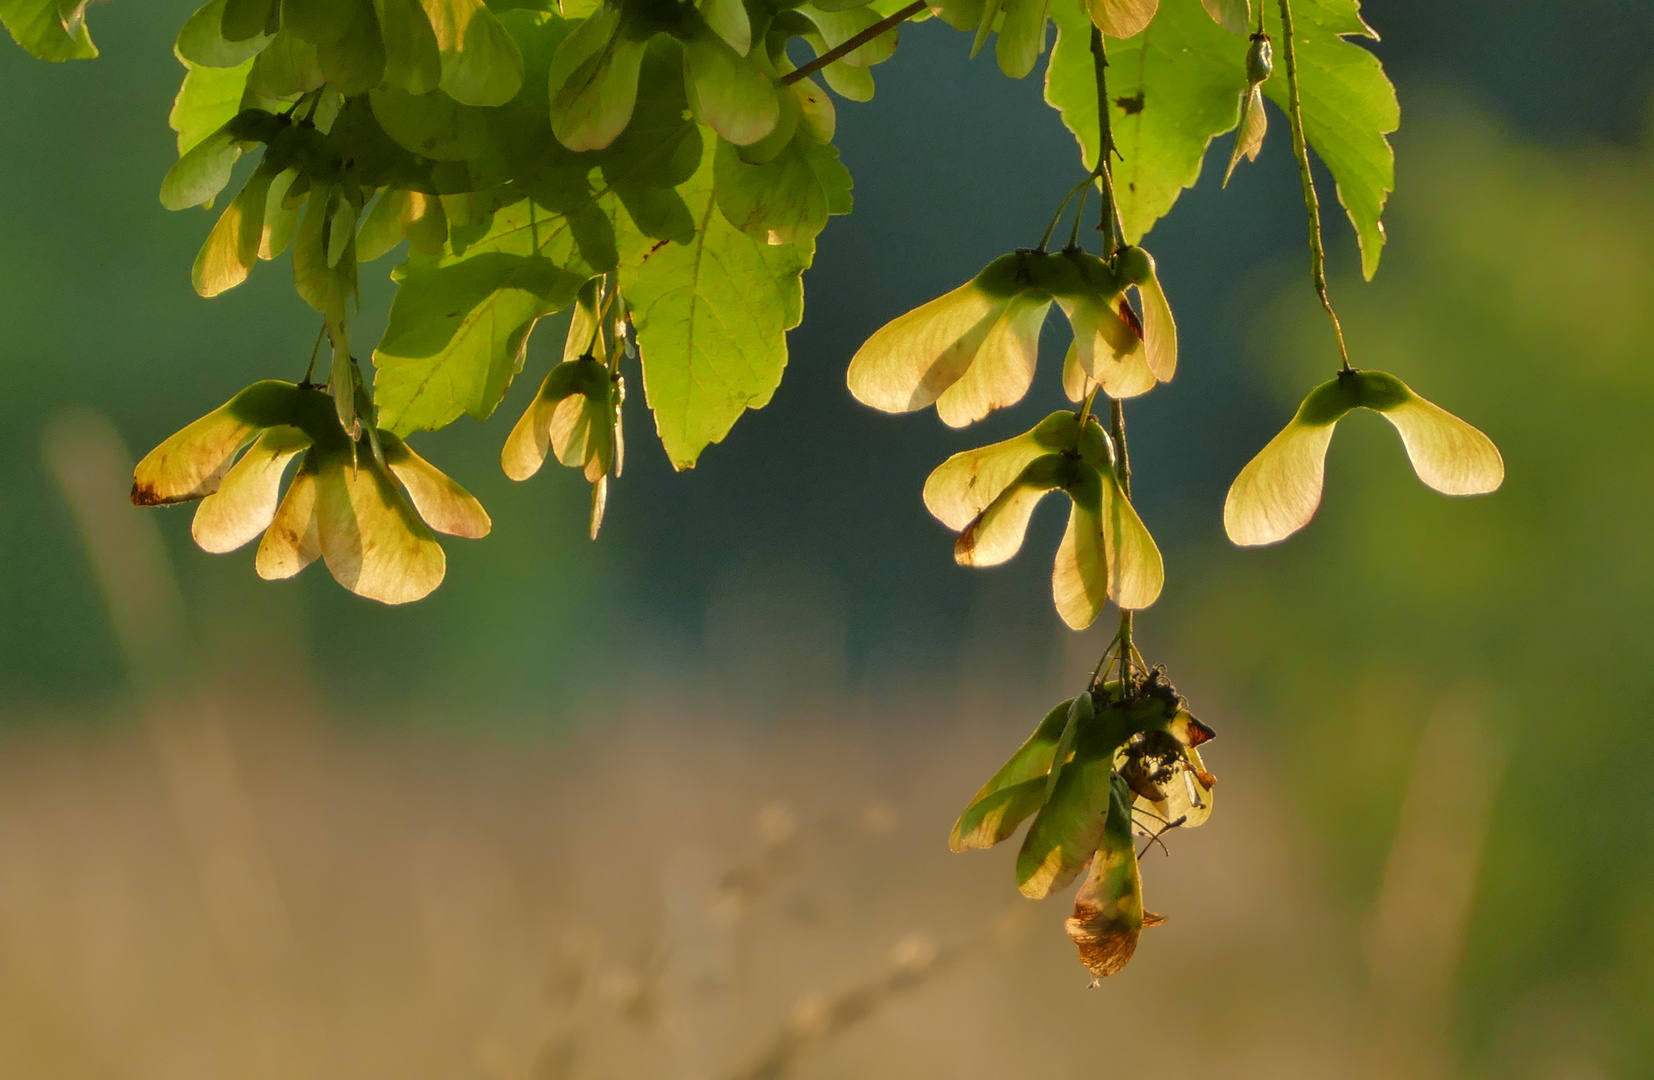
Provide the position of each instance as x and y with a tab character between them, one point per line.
656	897
226	883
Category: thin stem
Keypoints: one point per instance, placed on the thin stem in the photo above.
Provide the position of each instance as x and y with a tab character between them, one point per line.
310	368
605	300
1079	212
1295	112
1085	407
1109	220
1097	672
854	43
1061	208
1122	472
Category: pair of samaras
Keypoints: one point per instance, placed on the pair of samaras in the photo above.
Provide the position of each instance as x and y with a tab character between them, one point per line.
576	414
973	350
593	81
1074	777
371	522
1279	490
988	496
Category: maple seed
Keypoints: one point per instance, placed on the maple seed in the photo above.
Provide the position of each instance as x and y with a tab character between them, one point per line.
371	522
988	496
1279	490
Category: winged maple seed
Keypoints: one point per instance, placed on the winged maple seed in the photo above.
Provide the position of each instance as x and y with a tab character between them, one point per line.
1098	769
973	350
1279	490
370	522
988	496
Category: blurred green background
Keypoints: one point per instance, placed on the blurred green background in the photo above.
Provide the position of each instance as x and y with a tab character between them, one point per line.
1440	848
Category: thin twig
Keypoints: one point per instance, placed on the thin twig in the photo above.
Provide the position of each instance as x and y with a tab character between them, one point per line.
1295	113
1122	472
1109	221
310	368
854	43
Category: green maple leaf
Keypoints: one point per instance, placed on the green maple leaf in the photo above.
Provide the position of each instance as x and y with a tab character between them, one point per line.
1176	85
50	29
460	322
712	317
1349	109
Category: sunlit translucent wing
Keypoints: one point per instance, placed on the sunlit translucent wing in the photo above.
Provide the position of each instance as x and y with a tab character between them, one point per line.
593	82
353	61
325	287
245	503
231	249
816	113
1122	18
962	486
413	59
445	506
433	124
1107	347
1232	15
1069	826
201	41
1278	491
582	336
481	63
1108	909
285	68
1106	553
728	19
727	91
1014	792
1021	37
840	22
293	540
201	173
571	415
397	213
985	24
1254	122
1076	384
281	216
910	361
1082	716
373	542
1448	454
190	464
997	533
1003	367
1159	329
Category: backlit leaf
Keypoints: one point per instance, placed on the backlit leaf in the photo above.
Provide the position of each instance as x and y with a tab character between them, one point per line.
50	29
460	322
481	64
208	99
201	43
711	318
1349	109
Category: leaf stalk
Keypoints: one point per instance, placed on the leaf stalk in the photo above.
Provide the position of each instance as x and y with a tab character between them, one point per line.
1300	149
854	43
